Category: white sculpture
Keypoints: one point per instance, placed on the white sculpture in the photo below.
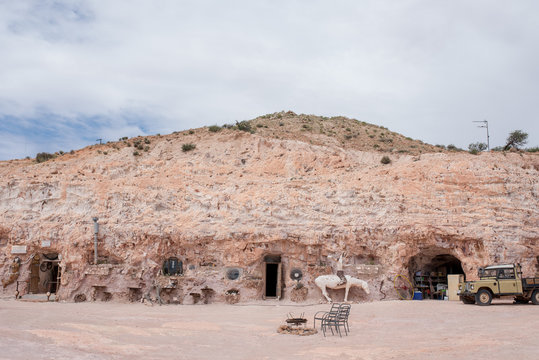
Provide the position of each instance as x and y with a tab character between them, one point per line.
332	282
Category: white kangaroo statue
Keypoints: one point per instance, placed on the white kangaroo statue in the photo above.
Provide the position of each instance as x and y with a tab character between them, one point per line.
332	282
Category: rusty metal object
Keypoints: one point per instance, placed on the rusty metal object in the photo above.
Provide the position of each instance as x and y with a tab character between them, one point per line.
296	321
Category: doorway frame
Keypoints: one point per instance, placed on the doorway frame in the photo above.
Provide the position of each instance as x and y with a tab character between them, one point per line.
270	259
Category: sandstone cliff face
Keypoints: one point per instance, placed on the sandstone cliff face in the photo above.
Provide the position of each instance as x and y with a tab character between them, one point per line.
239	197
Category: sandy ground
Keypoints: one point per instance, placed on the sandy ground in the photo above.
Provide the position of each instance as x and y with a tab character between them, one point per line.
379	330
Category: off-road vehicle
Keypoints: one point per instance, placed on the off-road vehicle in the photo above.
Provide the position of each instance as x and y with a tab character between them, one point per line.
498	281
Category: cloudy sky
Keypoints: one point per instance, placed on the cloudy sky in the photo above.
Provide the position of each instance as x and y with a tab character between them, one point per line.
75	71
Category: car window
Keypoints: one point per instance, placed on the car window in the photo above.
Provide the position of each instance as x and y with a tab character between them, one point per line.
506	274
489	273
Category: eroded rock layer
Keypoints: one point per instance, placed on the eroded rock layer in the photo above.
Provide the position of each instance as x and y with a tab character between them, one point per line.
239	201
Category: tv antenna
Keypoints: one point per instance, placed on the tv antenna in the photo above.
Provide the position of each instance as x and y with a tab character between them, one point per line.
100	143
485	125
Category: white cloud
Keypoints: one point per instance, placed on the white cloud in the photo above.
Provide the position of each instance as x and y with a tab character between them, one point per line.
425	69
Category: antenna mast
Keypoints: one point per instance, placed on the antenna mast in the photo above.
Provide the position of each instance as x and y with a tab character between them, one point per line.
485	125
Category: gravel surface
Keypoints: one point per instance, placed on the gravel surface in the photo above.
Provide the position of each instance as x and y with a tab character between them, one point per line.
379	330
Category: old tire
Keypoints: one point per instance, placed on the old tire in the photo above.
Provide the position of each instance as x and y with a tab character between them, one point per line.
535	297
467	300
483	297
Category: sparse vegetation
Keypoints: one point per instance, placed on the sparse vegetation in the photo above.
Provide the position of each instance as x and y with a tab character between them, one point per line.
43	156
147	141
191	132
533	149
214	128
516	139
385	160
244	126
476	148
451	147
136	153
188	147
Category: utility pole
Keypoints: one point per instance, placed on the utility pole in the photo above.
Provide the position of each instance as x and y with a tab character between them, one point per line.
96	231
99	141
485	125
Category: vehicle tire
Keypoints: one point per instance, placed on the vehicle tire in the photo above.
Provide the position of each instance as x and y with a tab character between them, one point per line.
467	300
483	297
535	297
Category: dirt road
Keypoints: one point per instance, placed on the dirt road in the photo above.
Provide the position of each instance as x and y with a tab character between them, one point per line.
379	330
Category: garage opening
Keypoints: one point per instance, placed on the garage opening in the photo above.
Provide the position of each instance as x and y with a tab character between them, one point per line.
436	276
272	270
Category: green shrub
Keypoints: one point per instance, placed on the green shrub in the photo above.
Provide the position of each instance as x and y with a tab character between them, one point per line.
188	147
146	148
385	160
191	132
259	125
43	156
136	153
476	148
281	124
451	147
533	149
245	126
214	128
147	141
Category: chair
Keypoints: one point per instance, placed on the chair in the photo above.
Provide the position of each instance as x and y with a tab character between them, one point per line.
321	315
337	321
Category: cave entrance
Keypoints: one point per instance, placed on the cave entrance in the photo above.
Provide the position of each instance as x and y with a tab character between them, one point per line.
272	271
436	275
45	274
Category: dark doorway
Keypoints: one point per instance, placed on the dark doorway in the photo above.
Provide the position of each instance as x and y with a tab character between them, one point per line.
55	276
271	279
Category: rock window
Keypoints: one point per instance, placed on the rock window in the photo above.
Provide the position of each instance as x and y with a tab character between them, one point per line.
172	266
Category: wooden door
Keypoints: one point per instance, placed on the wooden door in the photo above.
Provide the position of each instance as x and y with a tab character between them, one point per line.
34	275
279	281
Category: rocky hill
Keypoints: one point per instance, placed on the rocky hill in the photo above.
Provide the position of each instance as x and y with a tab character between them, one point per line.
302	188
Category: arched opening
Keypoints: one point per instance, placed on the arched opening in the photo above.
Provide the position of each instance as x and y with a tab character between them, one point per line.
435	275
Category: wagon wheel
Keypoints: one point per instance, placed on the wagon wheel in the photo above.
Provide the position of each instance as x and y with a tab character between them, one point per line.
404	287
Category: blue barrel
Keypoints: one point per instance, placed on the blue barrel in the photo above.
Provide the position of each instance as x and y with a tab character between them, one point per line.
418	295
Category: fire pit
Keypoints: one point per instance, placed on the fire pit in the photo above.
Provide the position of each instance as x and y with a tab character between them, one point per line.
296	321
293	326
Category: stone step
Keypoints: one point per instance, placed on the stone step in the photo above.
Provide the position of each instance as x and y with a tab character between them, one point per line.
37	297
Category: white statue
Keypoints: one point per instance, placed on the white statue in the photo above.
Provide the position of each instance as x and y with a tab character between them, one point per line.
334	282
